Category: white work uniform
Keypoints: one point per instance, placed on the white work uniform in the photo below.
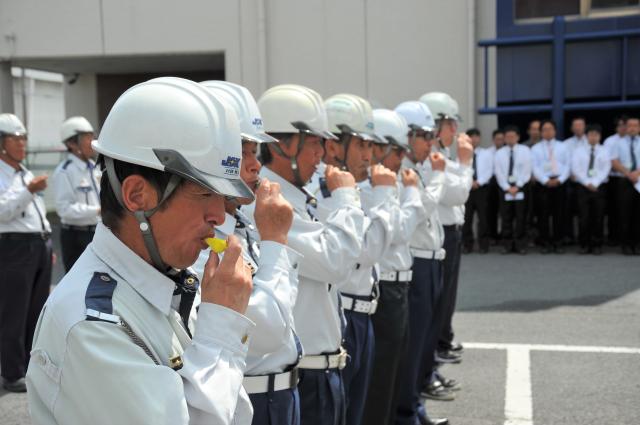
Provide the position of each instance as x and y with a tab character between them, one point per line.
20	210
484	165
85	371
601	165
611	143
551	158
376	233
428	238
457	185
330	251
575	142
275	288
522	166
623	152
76	188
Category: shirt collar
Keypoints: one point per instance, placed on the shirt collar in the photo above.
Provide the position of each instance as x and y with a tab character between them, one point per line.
152	285
9	170
229	225
407	163
82	165
291	193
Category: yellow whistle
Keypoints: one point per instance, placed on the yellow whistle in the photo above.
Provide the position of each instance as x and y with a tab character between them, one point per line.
217	245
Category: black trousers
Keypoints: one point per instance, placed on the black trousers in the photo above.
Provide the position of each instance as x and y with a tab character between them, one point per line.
551	202
322	399
478	203
629	213
571	210
451	271
25	279
591	215
514	216
611	210
493	207
73	244
391	329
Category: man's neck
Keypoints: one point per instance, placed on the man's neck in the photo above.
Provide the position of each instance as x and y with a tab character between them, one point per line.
11	162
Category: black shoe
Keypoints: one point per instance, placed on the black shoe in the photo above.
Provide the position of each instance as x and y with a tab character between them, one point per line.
484	250
584	250
597	250
456	347
426	420
558	250
522	251
505	251
448	357
545	250
17	386
626	250
449	384
467	250
437	391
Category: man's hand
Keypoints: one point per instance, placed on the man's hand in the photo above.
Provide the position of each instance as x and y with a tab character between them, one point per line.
382	176
465	149
634	176
228	282
437	161
409	177
592	187
554	182
273	213
38	184
337	179
513	190
475	185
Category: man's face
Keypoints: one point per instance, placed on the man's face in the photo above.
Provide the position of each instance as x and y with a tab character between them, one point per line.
534	130
621	128
593	137
16	147
309	157
548	131
511	138
250	165
633	126
421	147
393	160
577	127
84	144
189	217
475	140
447	131
498	140
359	158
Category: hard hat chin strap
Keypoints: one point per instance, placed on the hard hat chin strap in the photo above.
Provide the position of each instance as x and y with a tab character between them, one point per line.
293	159
143	216
345	140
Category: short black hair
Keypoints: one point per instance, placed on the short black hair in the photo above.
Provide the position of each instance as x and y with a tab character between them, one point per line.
594	127
513	128
583	119
110	209
619	118
473	132
496	131
548	121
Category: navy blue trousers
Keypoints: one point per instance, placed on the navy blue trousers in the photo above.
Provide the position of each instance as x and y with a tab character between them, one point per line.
322	400
276	407
360	344
424	292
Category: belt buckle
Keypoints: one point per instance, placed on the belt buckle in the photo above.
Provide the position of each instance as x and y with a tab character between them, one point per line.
374	306
294	377
342	358
44	236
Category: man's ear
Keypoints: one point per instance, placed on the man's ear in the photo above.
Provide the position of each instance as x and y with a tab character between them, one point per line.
138	194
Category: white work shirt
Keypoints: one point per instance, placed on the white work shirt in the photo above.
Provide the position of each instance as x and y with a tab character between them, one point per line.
91	371
76	189
20	210
483	160
551	158
611	143
457	185
601	165
521	166
429	234
377	204
575	142
330	251
275	288
408	215
623	152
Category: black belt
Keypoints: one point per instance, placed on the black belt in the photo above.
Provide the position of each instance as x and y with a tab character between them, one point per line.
452	227
79	228
19	236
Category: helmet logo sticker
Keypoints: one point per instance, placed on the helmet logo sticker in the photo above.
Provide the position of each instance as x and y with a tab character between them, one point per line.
231	165
257	122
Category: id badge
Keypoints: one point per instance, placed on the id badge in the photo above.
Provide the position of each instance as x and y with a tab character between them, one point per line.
591	173
512	179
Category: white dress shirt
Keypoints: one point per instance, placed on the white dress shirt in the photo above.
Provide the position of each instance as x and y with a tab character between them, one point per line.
92	372
483	164
551	158
611	143
623	152
20	210
521	166
330	251
275	288
601	165
575	142
76	188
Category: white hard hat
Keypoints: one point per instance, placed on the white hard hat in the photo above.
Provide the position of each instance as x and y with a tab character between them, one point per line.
246	108
176	125
417	114
391	127
441	105
350	114
74	126
10	125
290	108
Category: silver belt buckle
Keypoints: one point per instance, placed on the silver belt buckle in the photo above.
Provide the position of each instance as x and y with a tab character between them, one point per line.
374	306
342	358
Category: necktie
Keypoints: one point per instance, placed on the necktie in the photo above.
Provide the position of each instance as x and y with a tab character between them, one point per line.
552	160
187	287
35	205
475	166
634	160
592	159
511	166
246	229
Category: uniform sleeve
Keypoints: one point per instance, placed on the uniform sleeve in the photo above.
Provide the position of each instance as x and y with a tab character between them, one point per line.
488	165
13	202
112	380
604	168
275	289
330	249
501	173
525	176
377	232
457	187
67	206
409	214
538	166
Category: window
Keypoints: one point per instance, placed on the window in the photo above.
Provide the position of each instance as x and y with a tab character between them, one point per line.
537	9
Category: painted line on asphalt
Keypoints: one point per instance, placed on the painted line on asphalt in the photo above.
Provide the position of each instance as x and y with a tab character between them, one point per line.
518	403
550	347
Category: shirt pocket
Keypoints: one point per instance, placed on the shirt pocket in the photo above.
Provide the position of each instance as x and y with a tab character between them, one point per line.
45	376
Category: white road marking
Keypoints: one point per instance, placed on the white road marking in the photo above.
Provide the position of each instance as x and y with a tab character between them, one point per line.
518	401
